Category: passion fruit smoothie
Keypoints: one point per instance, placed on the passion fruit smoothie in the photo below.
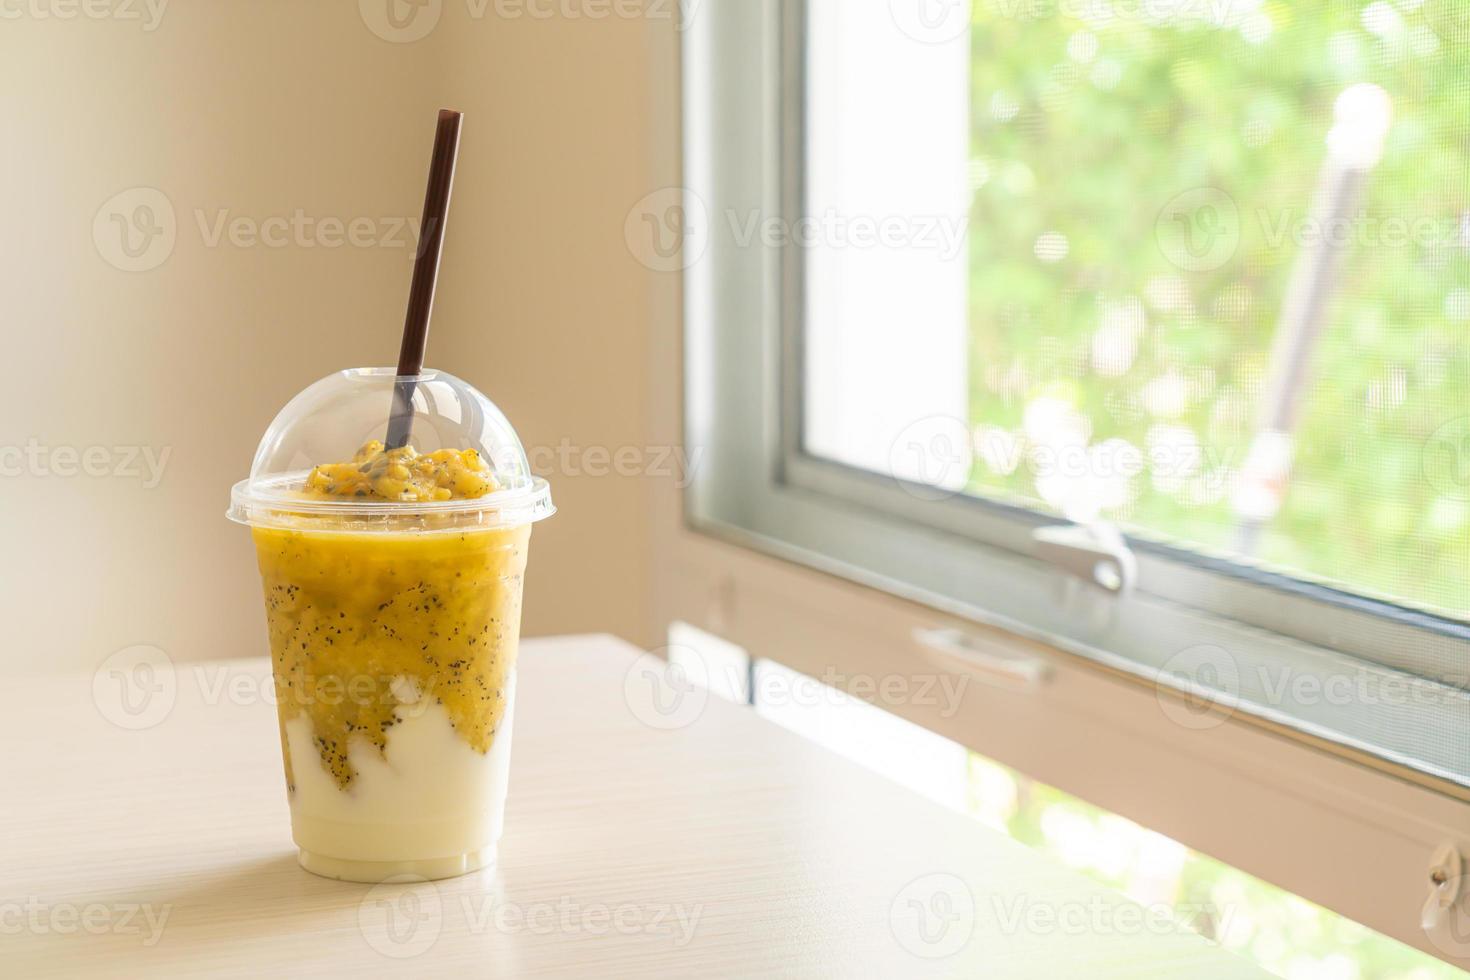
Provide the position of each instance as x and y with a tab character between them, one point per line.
394	661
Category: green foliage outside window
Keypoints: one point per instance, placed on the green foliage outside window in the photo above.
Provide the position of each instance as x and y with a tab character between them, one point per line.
1144	175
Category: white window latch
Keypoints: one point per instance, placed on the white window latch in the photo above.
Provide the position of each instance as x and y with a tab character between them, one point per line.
995	664
1446	881
1095	553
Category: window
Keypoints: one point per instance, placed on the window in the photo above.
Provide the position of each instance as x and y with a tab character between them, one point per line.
1136	334
972	298
1217	286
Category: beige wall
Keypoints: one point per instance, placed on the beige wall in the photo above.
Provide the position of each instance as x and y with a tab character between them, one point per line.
260	109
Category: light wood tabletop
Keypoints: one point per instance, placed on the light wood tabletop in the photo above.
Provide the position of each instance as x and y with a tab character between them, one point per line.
146	834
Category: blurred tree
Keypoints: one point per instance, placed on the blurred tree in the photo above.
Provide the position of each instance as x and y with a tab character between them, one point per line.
1144	173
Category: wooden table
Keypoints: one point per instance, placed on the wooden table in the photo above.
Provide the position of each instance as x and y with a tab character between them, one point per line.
721	847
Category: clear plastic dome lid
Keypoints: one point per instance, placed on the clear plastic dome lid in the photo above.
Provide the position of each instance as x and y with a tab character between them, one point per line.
340	425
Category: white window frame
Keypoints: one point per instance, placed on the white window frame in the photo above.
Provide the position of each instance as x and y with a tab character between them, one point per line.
807	563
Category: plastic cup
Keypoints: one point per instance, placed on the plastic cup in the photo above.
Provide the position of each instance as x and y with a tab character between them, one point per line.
393	630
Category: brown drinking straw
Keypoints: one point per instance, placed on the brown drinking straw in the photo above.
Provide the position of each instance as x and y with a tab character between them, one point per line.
425	276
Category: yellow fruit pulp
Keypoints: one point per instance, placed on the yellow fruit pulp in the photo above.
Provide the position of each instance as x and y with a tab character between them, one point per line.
364	626
404	474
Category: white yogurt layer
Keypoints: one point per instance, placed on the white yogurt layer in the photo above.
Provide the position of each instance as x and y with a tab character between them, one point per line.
428	796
